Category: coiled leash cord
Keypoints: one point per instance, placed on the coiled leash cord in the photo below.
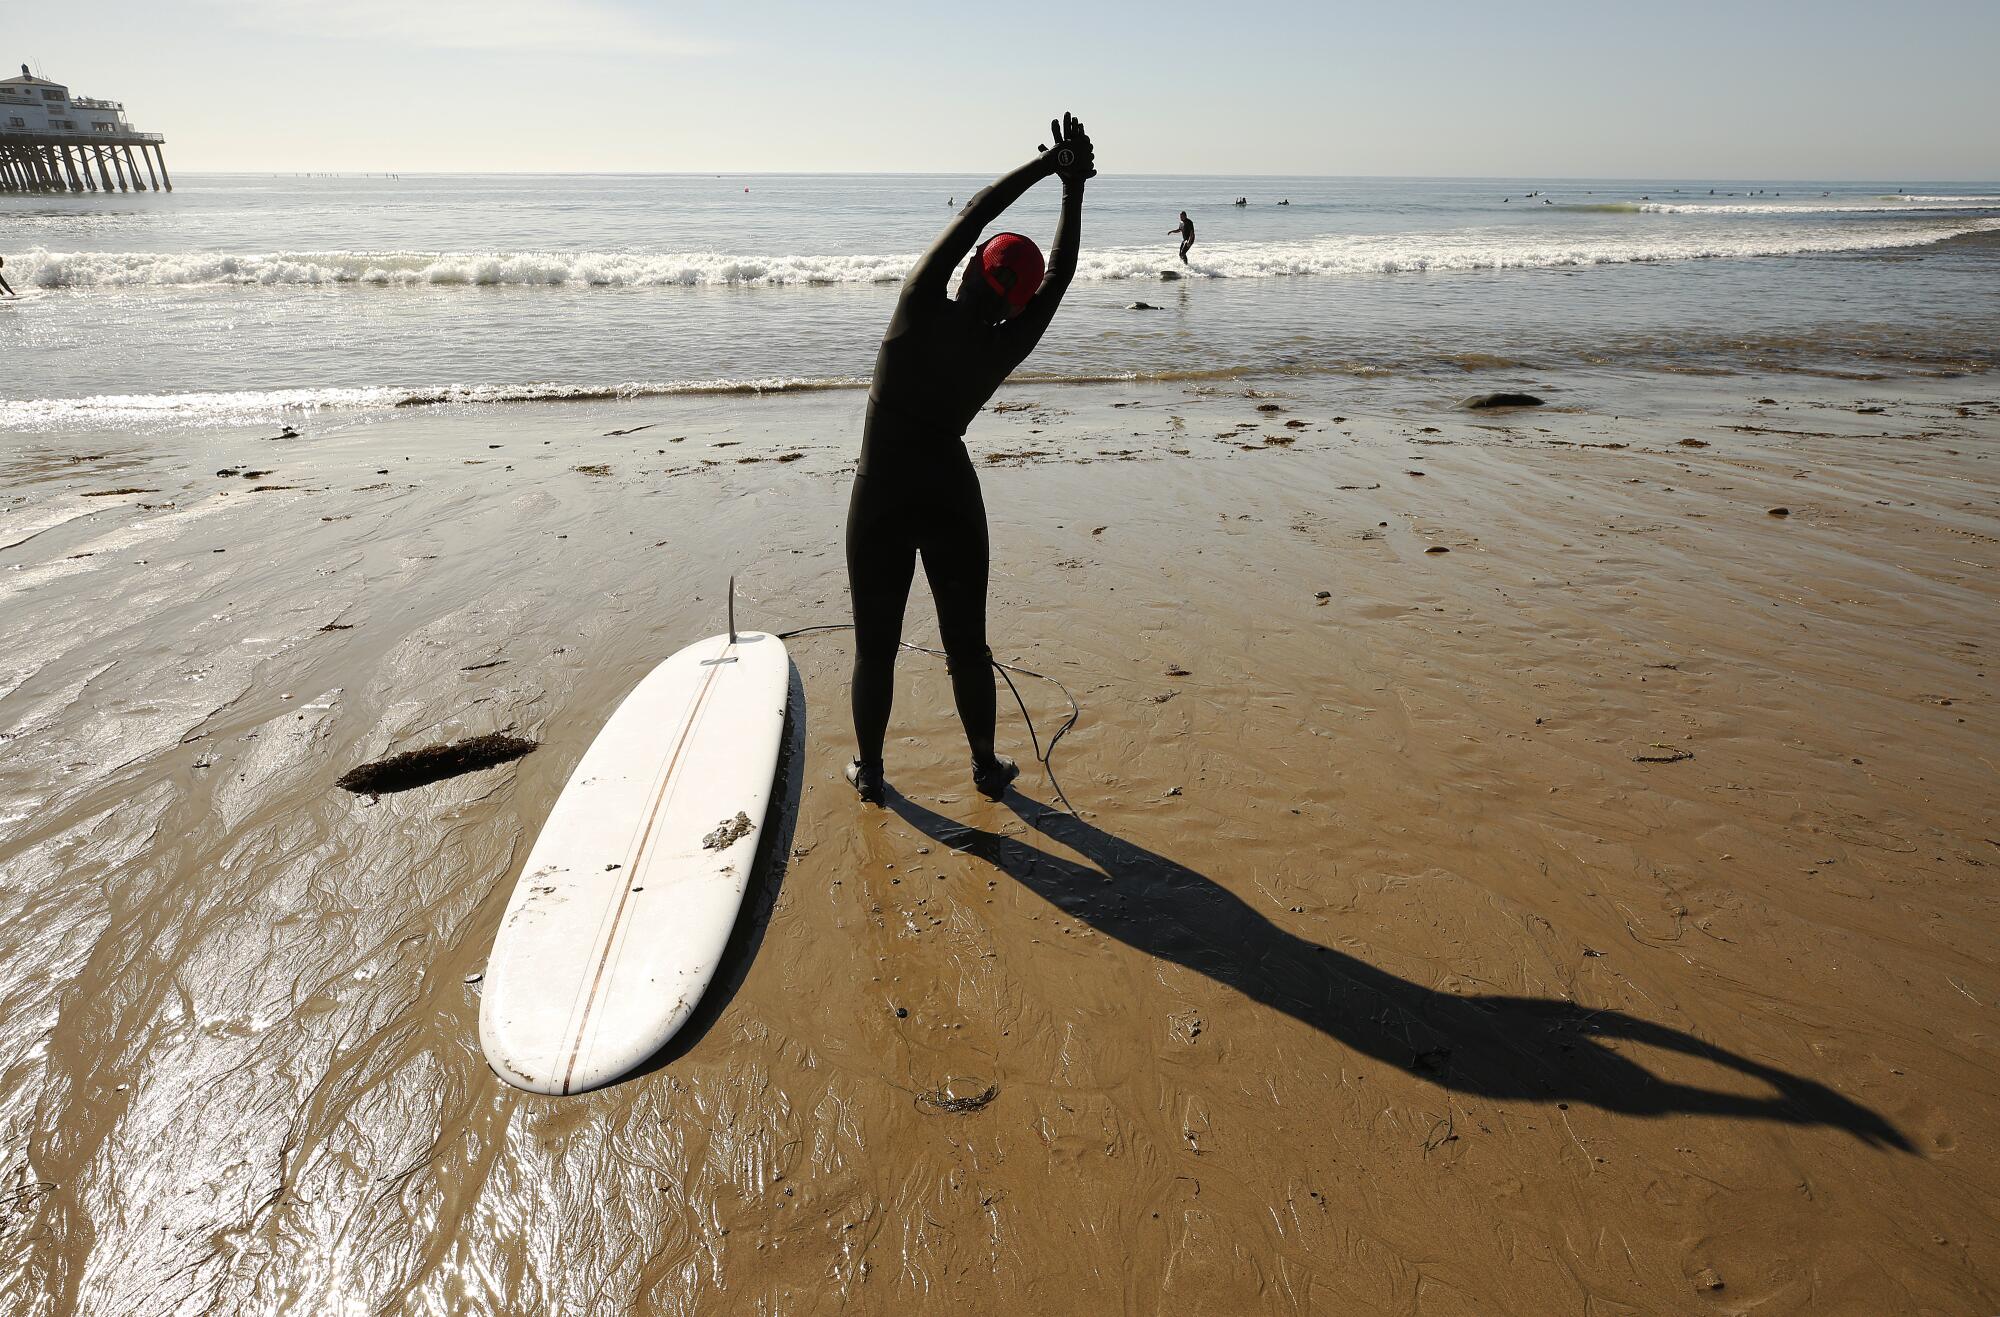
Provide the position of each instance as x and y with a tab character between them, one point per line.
1075	711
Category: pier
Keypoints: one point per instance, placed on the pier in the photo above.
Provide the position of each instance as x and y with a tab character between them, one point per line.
51	141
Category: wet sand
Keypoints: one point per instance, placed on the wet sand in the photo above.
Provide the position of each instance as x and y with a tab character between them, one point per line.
1595	917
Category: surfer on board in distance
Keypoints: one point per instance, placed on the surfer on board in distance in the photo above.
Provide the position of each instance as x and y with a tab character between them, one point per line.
1186	229
916	493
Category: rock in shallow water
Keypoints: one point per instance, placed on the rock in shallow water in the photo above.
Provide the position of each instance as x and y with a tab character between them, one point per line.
1486	401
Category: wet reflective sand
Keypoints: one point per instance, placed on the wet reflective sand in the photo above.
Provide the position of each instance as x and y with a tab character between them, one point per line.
1595	917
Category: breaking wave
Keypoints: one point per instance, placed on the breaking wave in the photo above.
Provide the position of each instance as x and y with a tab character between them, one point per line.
275	405
1804	209
1332	254
47	269
1920	206
163	411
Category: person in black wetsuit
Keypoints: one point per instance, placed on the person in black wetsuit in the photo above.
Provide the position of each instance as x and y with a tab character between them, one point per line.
915	492
1186	229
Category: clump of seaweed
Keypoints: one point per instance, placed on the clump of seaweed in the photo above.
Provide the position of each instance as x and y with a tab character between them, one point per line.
433	763
958	1106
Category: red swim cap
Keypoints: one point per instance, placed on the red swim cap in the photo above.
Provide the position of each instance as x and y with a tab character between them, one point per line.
1013	267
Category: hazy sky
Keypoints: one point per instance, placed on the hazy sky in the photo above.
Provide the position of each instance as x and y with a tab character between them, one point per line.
1751	88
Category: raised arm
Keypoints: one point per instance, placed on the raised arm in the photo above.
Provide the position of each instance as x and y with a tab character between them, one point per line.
1076	161
931	279
1025	330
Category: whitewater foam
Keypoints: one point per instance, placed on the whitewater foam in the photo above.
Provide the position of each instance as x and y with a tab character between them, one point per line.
1797	209
1328	254
243	407
190	411
1919	206
402	269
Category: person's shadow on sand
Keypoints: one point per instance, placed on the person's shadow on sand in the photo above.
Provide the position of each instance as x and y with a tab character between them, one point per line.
1529	1048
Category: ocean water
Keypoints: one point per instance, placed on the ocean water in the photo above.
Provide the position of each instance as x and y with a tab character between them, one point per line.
246	298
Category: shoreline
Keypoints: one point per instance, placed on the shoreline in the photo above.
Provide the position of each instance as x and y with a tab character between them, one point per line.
1437	387
1623	868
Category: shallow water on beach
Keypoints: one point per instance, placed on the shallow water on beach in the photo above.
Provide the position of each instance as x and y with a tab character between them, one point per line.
252	298
1515	871
1533	861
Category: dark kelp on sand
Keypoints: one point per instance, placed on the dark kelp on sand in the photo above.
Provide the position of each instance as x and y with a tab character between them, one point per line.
433	763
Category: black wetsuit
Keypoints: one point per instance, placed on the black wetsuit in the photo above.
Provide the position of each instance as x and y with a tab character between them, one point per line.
1187	237
915	492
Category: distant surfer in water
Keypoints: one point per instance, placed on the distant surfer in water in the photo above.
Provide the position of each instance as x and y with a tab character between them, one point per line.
6	287
1186	229
915	491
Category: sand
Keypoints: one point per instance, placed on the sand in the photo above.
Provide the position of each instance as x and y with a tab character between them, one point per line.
1597	917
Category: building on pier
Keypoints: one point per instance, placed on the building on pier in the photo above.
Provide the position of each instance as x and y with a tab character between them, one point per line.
51	141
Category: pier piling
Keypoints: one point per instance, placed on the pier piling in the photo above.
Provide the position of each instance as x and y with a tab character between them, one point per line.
51	141
68	166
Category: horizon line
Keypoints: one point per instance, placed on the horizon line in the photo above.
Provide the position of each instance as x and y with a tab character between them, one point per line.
1905	181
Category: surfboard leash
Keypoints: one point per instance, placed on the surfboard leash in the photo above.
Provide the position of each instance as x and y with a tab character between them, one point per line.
1042	755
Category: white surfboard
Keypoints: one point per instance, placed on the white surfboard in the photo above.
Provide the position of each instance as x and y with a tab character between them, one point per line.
622	911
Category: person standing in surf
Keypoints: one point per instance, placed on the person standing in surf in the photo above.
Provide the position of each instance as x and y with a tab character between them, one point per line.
1186	229
915	491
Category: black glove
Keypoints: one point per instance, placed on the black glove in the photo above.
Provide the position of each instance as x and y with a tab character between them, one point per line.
1074	157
